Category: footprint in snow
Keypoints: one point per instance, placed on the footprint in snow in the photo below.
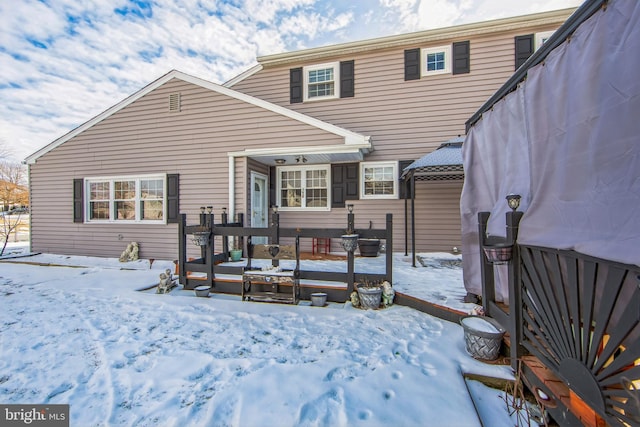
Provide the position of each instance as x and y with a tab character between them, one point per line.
227	413
328	409
62	388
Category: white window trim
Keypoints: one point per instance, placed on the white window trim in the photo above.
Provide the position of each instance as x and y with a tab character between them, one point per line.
302	169
336	81
539	37
447	60
364	165
111	180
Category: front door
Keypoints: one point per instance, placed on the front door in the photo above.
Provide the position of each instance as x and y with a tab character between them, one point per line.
259	209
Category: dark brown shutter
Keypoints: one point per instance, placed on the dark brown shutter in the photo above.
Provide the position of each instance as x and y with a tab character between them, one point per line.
344	184
295	85
347	82
405	187
524	49
173	198
78	200
272	186
412	64
461	57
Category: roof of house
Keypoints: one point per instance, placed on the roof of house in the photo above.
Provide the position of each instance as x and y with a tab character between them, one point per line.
580	15
352	140
461	32
444	163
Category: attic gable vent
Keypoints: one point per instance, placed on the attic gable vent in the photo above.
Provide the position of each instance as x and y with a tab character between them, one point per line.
174	102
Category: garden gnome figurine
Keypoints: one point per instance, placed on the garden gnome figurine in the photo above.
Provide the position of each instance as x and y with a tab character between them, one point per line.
166	282
387	294
355	299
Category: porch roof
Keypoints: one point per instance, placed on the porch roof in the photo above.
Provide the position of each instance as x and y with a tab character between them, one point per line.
444	163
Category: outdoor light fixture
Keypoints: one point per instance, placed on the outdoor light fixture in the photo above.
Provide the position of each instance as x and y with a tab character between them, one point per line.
201	209
275	208
514	201
281	161
224	211
209	209
350	208
302	159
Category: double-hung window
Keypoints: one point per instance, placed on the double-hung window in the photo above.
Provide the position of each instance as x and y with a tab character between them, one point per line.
436	60
322	81
132	199
379	180
303	187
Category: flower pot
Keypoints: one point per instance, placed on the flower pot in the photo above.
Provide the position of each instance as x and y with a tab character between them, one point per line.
236	254
369	247
482	336
200	238
349	242
370	297
318	299
202	291
497	250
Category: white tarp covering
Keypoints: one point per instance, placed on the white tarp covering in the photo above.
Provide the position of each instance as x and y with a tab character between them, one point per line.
567	140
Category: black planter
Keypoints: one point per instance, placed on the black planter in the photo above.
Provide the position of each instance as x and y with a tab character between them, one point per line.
369	247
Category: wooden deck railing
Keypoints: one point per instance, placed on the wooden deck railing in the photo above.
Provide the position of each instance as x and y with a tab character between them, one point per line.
579	317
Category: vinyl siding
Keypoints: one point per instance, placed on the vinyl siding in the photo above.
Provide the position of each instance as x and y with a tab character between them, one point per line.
406	120
145	138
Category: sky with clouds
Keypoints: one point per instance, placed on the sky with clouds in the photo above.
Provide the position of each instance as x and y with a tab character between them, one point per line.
62	62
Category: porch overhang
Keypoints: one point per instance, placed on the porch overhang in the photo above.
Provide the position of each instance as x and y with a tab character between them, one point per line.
284	156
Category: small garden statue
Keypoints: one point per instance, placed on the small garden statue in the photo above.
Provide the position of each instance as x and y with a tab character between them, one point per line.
131	253
387	294
166	282
355	299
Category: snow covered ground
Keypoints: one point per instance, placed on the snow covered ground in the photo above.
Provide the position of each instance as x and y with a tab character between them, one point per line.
85	336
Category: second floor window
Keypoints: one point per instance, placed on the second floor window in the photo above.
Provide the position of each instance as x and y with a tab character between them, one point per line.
321	82
436	60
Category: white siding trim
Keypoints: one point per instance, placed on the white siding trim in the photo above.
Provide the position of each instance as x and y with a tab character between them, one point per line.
349	137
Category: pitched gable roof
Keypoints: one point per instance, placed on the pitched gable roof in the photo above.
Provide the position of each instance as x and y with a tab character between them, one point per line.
350	138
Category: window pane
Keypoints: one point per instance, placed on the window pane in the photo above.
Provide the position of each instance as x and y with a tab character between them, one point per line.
99	210
316	188
151	209
125	190
151	189
322	89
324	75
291	189
125	210
99	191
435	61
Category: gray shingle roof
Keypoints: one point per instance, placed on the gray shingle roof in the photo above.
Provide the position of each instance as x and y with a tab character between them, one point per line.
443	163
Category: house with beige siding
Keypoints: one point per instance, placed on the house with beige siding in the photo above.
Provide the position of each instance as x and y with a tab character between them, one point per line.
309	131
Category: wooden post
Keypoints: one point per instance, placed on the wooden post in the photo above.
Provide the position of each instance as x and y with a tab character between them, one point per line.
486	268
350	256
182	250
389	248
515	289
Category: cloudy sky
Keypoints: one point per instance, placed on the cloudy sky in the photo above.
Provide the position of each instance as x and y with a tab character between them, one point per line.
64	61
